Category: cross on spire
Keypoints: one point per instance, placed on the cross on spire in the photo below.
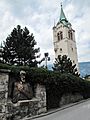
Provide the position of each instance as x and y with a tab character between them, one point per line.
61	3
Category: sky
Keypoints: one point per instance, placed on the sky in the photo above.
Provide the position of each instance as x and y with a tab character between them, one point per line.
39	16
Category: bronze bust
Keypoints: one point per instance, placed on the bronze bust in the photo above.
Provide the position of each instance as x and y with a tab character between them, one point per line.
22	89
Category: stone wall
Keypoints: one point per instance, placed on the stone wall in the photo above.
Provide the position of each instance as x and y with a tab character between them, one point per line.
41	96
70	98
21	109
27	108
4	77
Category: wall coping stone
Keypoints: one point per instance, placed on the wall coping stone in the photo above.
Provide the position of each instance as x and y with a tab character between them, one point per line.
5	70
23	101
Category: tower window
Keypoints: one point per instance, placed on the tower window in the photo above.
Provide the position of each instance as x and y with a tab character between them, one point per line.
60	35
72	49
73	61
70	35
60	49
55	50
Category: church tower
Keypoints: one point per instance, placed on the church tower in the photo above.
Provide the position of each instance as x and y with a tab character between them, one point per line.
64	39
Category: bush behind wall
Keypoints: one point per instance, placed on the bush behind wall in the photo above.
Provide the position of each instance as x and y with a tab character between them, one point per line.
65	82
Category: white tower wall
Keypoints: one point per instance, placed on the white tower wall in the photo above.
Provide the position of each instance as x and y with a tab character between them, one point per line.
66	45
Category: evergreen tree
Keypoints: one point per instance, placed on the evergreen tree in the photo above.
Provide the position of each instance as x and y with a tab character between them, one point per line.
63	64
19	48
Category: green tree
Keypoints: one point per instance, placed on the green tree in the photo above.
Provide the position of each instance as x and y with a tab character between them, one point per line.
63	64
19	48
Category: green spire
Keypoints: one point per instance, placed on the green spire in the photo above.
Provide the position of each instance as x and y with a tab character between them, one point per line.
63	18
62	15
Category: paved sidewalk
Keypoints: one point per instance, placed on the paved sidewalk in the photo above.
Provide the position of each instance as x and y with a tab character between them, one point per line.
54	110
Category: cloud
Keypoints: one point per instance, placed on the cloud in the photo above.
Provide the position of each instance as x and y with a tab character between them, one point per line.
38	16
78	14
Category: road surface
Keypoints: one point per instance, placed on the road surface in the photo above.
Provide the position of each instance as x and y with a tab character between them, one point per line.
77	112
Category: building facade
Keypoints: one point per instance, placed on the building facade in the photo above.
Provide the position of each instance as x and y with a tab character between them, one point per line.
64	39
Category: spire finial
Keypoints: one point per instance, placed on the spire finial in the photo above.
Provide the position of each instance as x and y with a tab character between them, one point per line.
62	18
61	3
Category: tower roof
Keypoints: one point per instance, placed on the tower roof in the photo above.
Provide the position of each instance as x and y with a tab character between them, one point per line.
62	15
63	18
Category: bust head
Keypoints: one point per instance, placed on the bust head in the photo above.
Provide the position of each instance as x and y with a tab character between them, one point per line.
22	75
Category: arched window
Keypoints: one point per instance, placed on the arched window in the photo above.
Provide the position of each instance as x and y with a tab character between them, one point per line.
70	35
60	35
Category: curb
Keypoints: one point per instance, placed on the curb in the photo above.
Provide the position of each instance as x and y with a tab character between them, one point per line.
56	110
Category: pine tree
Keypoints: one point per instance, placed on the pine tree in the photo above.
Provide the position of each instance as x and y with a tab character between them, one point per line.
63	64
19	48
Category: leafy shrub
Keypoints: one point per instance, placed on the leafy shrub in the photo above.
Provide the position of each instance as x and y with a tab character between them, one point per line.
63	81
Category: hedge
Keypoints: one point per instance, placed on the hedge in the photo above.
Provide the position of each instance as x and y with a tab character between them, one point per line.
66	82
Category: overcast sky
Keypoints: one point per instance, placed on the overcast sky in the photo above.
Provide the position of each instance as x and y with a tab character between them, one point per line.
39	15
